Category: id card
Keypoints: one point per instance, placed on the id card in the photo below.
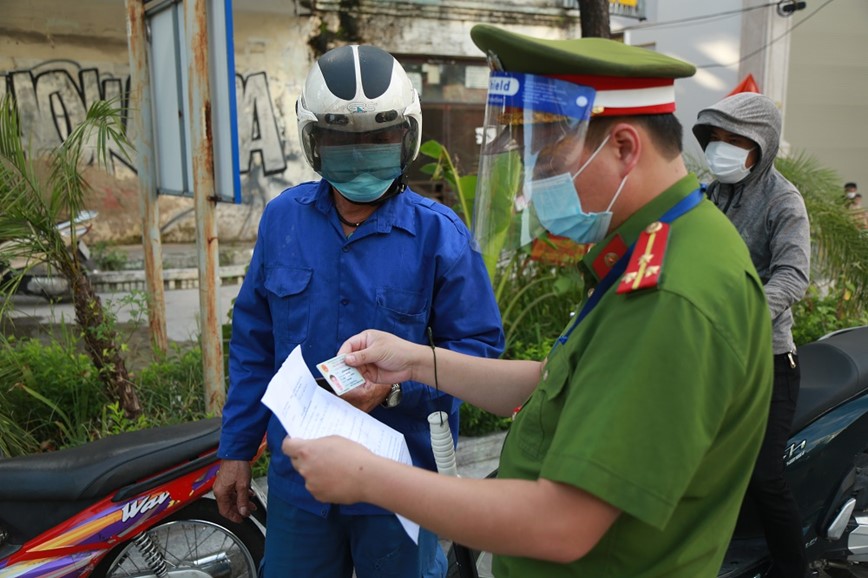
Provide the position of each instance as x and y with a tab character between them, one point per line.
340	376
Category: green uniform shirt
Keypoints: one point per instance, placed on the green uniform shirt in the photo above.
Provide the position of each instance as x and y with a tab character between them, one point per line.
656	404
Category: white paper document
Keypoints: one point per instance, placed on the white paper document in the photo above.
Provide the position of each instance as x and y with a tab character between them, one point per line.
307	411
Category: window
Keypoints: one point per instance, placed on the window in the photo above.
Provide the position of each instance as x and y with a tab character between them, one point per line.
452	93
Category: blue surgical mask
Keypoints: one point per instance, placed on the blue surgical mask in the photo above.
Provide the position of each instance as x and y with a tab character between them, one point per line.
361	173
559	208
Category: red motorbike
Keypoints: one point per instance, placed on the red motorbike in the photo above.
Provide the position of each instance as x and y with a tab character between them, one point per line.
135	504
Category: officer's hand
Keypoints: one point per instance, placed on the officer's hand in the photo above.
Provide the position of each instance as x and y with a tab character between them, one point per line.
382	357
232	490
332	467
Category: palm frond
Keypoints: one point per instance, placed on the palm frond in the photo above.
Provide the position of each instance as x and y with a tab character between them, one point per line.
840	243
19	184
32	216
36	193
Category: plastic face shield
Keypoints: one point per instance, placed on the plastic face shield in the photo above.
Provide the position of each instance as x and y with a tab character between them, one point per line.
534	128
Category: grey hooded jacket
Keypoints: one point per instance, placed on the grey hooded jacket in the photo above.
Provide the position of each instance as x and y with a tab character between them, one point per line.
766	208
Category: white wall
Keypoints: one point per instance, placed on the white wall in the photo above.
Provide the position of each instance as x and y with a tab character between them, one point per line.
827	96
712	45
814	65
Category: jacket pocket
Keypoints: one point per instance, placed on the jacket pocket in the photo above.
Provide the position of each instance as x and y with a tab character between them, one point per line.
542	412
402	312
289	300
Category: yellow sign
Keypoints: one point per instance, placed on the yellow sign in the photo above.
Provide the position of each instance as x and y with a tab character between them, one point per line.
627	8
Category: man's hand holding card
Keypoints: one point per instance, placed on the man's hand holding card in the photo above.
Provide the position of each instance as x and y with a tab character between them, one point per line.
351	386
340	376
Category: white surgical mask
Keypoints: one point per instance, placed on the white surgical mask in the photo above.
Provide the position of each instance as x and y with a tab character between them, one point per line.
727	161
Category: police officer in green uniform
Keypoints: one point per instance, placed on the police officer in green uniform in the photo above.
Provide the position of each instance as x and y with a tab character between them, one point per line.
639	431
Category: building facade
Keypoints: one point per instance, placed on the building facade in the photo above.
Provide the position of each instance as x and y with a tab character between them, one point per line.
58	57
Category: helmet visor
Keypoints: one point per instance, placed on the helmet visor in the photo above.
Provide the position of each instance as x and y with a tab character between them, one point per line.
534	128
341	156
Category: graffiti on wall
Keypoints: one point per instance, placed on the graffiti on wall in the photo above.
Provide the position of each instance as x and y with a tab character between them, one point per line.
257	125
53	98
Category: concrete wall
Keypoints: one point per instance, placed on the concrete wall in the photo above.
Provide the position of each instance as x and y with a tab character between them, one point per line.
58	57
827	96
680	29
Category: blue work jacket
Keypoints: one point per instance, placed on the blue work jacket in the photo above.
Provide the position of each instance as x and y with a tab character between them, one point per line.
409	266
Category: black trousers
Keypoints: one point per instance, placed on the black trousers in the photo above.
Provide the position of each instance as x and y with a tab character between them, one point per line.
770	492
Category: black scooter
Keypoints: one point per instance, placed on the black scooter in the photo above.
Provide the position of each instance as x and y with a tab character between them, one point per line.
827	467
827	464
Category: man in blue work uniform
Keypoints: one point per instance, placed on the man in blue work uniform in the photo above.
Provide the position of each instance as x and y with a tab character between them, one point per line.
354	250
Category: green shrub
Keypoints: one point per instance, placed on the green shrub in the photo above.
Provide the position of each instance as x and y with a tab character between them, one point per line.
51	396
260	466
819	313
50	391
171	388
534	350
115	421
107	258
476	422
14	440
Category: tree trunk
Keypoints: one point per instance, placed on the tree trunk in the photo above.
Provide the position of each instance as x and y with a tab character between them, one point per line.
100	340
594	18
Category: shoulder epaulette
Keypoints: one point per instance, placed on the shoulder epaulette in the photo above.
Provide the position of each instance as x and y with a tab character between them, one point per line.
646	263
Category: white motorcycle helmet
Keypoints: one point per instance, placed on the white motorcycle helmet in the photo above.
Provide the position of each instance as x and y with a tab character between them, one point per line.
353	91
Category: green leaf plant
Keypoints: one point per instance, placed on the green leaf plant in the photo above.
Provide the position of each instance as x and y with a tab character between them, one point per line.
535	297
839	240
36	192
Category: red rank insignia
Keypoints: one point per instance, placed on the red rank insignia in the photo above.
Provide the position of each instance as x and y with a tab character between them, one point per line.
646	262
610	254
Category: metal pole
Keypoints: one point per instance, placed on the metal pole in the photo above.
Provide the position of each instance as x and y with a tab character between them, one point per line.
140	118
205	201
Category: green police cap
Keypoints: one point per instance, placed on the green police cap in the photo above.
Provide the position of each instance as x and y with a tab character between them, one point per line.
629	80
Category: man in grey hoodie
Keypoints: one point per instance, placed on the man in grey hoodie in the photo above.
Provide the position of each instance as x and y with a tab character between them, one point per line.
740	136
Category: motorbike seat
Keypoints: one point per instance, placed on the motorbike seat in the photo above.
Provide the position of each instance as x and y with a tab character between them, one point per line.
98	468
834	370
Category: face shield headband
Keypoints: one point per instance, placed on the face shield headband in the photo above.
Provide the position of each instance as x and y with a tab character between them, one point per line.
534	129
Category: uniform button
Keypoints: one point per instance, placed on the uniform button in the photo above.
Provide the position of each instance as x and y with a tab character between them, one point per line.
346	249
344	301
610	259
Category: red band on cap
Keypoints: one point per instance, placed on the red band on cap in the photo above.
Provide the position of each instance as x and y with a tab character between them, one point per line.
613	82
658	109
